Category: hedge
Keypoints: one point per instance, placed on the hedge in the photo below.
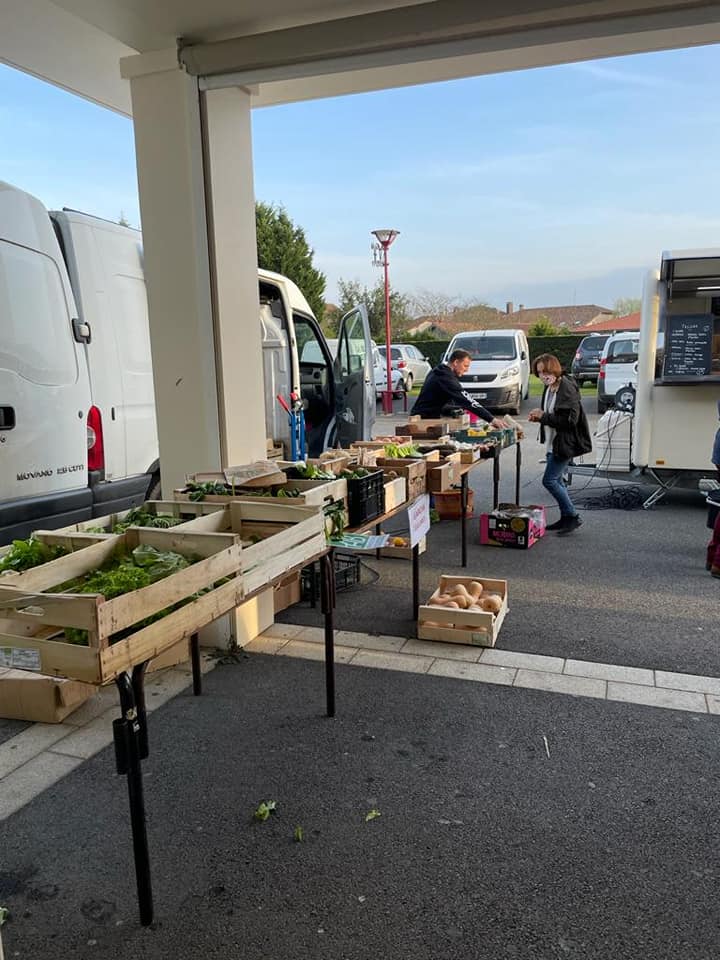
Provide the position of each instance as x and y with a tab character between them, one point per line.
563	347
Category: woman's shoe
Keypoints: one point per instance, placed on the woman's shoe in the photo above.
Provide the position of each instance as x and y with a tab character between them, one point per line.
571	523
560	524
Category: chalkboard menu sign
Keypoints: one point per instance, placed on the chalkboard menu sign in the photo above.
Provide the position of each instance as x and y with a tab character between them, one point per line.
688	345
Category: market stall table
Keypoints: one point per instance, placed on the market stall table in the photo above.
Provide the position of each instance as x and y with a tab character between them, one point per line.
225	575
376	524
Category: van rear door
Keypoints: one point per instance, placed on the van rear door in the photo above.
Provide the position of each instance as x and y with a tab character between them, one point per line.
44	387
106	267
355	402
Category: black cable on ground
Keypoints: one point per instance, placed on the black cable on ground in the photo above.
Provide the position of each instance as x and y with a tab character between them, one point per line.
619	498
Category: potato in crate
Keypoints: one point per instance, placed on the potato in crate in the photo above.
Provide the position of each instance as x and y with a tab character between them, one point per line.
464	610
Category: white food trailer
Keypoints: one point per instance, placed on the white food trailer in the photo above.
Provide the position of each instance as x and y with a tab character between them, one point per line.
666	440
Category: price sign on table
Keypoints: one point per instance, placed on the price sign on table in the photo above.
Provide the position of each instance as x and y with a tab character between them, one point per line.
419	519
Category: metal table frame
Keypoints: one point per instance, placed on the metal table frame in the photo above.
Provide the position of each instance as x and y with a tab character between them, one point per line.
130	730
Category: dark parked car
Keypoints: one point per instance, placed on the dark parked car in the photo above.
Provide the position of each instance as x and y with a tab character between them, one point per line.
586	362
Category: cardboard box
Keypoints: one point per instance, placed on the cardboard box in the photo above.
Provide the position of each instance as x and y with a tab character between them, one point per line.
512	526
40	699
287	592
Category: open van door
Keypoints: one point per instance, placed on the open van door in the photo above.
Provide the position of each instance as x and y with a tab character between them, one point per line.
354	381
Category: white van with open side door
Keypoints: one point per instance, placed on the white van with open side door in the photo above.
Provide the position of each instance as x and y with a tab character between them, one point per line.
499	374
78	435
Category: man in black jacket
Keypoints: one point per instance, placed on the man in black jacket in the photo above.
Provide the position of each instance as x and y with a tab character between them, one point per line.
442	392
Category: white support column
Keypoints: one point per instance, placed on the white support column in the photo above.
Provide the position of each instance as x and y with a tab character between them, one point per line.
196	183
168	143
231	211
194	164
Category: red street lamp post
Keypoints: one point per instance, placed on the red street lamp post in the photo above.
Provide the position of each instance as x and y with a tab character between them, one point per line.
384	239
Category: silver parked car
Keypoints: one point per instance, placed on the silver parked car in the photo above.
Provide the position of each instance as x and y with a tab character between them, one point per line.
413	366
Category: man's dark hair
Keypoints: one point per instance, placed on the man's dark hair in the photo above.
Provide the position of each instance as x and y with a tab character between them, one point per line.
459	355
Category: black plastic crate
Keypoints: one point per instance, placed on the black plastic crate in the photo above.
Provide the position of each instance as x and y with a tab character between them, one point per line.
347	574
366	498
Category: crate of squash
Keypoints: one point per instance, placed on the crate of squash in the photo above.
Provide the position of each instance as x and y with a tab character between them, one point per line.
464	610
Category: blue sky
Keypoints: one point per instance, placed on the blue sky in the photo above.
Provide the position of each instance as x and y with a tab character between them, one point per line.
547	186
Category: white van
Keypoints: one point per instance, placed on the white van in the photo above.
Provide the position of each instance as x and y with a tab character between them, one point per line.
499	374
78	437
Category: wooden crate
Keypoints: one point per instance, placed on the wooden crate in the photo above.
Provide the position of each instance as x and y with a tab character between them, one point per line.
443	476
469	456
289	535
32	616
414	472
333	460
185	512
403	553
463	626
395	493
313	493
287	592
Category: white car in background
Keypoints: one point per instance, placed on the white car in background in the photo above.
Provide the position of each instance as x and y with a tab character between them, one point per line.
413	366
618	371
380	373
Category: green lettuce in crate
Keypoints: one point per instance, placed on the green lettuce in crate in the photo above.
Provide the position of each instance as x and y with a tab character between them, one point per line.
26	554
138	517
123	574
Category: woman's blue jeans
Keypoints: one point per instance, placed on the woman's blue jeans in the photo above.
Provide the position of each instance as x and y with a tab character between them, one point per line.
552	481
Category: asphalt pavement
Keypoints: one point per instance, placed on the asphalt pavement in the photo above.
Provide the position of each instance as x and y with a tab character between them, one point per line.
511	824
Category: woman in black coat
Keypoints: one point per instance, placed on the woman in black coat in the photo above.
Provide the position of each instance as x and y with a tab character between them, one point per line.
564	431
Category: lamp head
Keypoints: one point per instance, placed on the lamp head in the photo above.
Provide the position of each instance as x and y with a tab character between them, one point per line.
385	237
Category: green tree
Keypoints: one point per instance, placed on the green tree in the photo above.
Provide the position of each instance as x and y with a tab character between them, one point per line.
352	293
626	305
282	246
543	327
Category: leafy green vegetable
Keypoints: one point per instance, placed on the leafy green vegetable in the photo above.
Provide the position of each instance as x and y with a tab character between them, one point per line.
264	810
198	491
25	554
372	815
138	517
145	565
299	834
311	472
401	452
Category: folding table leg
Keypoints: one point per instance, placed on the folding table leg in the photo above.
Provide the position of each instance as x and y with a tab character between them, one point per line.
131	748
327	593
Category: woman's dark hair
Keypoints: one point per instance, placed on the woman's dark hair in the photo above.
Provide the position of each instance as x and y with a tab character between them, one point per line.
458	355
550	363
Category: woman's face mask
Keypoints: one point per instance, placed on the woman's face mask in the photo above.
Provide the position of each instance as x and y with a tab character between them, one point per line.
547	378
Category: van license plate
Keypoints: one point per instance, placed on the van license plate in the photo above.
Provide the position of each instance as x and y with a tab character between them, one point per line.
481	396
